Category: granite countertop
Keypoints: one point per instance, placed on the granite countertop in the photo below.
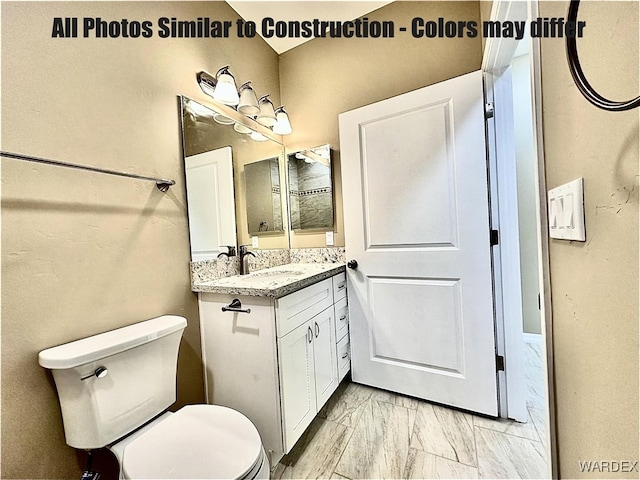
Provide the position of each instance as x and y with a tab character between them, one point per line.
272	282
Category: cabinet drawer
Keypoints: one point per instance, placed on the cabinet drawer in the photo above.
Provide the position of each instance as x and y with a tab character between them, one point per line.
298	307
342	318
339	286
344	357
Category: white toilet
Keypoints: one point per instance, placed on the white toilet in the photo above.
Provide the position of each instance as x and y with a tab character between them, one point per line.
113	388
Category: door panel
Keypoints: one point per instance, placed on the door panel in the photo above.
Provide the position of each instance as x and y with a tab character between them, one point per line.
297	380
417	173
324	353
414	176
423	341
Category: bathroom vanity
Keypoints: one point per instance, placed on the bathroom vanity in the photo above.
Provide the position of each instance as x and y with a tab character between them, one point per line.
275	346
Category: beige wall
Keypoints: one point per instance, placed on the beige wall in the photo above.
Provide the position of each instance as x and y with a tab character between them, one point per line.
325	77
595	284
83	253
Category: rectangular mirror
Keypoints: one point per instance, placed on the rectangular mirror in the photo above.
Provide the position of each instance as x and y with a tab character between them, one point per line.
310	189
216	150
264	197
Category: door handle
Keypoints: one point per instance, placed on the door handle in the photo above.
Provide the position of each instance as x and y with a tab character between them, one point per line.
310	334
352	264
317	329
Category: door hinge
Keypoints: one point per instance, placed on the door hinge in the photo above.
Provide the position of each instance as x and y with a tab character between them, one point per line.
488	110
499	363
494	237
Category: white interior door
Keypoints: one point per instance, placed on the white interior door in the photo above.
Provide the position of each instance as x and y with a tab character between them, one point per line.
416	208
210	202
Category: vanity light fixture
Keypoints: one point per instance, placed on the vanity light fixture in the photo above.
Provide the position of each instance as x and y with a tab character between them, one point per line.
222	87
258	137
240	128
283	125
223	119
248	101
267	115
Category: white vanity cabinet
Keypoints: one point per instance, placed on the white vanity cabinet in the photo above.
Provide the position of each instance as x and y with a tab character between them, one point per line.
280	363
308	373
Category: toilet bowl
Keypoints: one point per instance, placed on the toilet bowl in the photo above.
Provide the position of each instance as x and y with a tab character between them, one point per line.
114	389
197	441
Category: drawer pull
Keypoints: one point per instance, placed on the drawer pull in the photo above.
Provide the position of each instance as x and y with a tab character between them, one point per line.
345	355
343	317
235	306
342	285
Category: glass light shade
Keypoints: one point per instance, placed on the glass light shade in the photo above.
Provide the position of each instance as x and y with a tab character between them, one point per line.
248	101
240	128
226	91
222	119
283	125
258	137
208	89
267	115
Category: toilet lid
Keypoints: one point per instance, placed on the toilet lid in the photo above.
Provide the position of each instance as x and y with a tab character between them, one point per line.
198	441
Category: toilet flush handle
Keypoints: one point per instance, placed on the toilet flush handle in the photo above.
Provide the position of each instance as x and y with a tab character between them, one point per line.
99	372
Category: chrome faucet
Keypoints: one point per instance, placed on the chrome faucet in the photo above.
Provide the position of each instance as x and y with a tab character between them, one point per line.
244	259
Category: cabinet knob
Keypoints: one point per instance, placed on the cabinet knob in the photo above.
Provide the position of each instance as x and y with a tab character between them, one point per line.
352	264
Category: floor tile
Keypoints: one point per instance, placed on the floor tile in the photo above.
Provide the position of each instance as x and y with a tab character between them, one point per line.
379	445
407	402
535	388
317	452
525	430
533	354
381	395
507	456
426	465
444	432
391	397
540	421
346	404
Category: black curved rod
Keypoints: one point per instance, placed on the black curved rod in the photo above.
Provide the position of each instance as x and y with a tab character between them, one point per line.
578	75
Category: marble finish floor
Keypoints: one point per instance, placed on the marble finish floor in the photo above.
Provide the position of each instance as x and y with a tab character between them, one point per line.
364	432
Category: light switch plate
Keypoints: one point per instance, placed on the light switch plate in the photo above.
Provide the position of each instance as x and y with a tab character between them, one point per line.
329	238
254	242
566	211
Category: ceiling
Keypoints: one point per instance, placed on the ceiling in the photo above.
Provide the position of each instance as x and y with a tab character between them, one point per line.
255	11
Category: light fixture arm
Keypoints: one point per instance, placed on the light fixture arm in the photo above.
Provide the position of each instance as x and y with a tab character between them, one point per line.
205	80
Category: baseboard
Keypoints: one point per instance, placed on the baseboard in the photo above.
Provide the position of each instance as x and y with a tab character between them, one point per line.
532	338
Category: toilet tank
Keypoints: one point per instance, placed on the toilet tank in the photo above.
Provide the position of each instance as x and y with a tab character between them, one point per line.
140	382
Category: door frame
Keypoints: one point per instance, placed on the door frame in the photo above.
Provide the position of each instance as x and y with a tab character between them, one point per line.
497	57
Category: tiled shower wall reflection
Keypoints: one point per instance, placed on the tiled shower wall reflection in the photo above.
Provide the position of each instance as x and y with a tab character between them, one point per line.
310	197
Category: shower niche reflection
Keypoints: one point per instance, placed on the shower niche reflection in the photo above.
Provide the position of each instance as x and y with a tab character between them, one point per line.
310	189
264	205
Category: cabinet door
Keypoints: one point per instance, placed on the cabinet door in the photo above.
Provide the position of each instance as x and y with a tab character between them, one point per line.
297	382
325	355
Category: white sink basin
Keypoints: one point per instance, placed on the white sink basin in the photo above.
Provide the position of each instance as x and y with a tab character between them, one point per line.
276	274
